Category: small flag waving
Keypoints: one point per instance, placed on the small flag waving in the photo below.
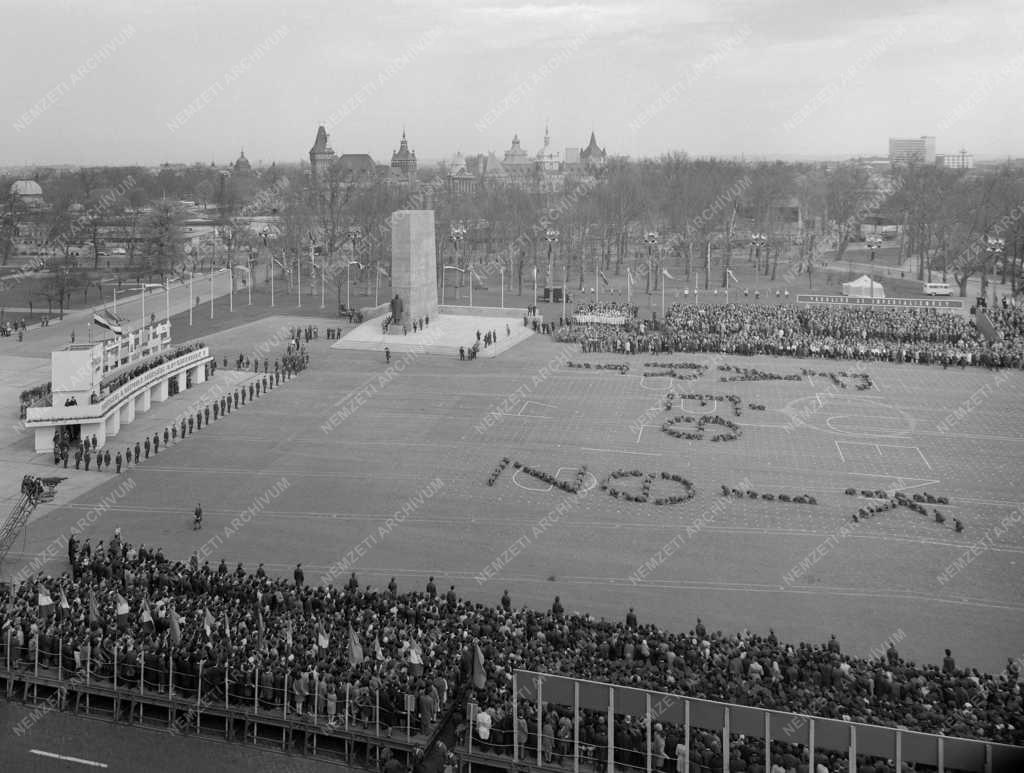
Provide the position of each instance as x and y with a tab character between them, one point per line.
147	617
45	602
323	640
355	649
208	621
227	627
122	607
732	276
479	674
629	277
175	628
378	653
65	607
604	278
664	273
380	270
94	609
288	633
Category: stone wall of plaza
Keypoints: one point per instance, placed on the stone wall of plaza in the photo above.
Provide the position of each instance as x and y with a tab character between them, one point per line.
105	418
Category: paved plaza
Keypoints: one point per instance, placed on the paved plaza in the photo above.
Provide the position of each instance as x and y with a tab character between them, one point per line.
350	444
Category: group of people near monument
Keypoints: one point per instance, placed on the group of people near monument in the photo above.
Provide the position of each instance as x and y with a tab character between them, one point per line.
893	335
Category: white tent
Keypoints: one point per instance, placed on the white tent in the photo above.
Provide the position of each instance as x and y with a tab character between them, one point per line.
864	287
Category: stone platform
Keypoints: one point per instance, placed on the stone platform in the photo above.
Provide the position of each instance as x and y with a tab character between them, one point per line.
444	335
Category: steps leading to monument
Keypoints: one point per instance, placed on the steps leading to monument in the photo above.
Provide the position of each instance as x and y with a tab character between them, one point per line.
443	336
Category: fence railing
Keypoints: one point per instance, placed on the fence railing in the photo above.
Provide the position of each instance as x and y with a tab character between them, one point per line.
141	687
545	748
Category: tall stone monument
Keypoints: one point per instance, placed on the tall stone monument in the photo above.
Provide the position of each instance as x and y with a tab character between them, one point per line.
414	263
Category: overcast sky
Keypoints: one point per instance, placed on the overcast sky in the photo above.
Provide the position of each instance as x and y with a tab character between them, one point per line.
133	81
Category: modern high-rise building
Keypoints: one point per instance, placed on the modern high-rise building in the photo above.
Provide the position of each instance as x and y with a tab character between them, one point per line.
903	151
961	160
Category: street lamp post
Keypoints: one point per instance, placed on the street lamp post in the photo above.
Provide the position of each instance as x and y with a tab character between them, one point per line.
758	241
651	240
353	234
551	236
458	233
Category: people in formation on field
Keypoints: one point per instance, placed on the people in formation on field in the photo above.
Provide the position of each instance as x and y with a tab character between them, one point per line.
894	335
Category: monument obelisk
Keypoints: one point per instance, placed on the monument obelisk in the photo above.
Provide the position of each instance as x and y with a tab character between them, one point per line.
414	263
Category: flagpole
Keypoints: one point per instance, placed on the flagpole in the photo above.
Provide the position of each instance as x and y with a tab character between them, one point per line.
597	279
663	298
565	278
191	298
271	281
502	272
470	267
298	269
211	292
376	291
323	280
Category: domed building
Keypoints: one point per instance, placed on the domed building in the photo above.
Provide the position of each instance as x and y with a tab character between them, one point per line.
460	179
242	165
517	162
28	192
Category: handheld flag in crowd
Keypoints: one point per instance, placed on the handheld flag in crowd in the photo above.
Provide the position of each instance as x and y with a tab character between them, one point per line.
45	602
664	273
227	628
355	649
64	605
175	628
147	618
94	610
378	653
122	612
208	621
479	675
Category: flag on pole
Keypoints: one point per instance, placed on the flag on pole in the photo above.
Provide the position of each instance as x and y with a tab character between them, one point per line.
452	268
355	649
479	674
604	278
208	621
175	628
147	618
732	276
629	277
65	607
380	270
378	653
534	273
323	639
106	322
664	273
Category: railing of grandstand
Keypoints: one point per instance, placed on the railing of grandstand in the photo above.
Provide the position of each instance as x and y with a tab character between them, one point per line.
814	734
147	687
118	395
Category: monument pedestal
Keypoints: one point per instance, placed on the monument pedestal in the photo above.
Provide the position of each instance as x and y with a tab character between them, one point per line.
414	264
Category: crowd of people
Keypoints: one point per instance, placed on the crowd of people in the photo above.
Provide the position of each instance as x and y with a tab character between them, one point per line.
291	647
608	313
893	335
112	383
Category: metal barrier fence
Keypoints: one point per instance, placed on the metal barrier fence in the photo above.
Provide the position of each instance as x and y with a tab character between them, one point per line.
141	687
506	749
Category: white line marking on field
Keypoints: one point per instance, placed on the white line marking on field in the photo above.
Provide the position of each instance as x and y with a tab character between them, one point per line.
617	451
51	755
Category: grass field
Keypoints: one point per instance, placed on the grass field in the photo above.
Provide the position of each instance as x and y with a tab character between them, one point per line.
346	446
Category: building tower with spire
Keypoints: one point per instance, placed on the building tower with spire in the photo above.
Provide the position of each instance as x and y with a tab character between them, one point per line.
403	160
320	157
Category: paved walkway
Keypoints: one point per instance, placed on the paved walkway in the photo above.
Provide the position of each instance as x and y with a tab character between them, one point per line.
264	339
